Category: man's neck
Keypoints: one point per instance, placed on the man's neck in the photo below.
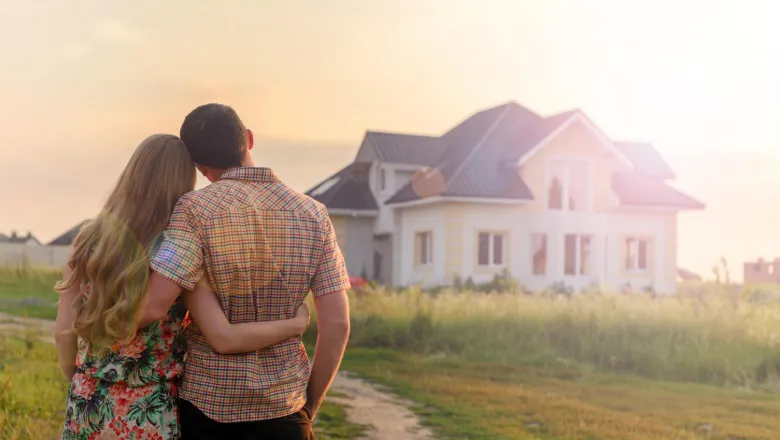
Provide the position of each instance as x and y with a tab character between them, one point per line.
248	162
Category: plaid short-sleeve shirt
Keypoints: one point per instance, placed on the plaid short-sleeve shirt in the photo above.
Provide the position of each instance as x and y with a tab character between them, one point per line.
263	247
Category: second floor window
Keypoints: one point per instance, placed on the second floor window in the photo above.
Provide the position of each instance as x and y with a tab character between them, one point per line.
569	185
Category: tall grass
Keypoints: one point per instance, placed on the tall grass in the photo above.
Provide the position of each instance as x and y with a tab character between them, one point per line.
711	333
716	336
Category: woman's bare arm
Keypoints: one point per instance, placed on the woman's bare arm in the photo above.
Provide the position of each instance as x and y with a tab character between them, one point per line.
227	338
65	338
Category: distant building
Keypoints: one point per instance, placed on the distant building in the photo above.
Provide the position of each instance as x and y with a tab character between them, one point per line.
66	239
762	272
15	238
686	275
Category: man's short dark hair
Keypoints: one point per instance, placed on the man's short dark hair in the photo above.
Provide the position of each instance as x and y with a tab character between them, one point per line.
215	136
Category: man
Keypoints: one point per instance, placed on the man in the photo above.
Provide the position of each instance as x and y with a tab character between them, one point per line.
262	246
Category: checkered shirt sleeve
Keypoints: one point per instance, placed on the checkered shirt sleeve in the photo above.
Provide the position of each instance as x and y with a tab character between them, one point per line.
331	274
180	257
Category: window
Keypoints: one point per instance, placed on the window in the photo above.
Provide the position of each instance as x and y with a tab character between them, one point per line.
539	253
568	185
424	244
637	254
490	250
577	255
382	179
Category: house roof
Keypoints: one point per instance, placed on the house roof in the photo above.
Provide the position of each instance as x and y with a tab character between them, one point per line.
67	238
646	159
479	156
348	189
18	239
687	275
480	152
405	148
638	189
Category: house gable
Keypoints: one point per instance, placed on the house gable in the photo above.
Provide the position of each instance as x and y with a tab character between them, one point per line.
575	142
576	117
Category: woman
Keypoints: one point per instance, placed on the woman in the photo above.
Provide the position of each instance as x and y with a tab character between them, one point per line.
124	379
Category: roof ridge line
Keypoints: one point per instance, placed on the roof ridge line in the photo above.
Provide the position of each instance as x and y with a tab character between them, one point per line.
401	133
477	146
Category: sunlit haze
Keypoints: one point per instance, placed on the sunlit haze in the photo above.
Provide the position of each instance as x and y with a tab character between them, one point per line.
83	82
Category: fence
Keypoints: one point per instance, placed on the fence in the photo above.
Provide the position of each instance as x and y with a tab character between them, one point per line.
41	256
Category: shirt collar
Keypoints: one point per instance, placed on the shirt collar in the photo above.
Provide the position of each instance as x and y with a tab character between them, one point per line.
255	174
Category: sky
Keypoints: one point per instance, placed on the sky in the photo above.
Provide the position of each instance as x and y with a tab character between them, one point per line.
82	82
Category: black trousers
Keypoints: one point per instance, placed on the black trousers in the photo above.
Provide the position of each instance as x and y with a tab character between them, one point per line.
197	426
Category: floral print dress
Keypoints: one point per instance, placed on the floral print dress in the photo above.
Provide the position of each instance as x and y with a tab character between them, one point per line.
129	392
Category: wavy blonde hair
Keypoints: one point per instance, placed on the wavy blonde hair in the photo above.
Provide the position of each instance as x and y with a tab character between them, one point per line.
111	253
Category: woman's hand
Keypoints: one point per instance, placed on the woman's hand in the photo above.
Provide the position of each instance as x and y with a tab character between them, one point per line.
302	317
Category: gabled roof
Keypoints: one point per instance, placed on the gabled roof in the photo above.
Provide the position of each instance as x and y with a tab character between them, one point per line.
348	189
405	148
67	238
479	155
637	189
646	159
479	149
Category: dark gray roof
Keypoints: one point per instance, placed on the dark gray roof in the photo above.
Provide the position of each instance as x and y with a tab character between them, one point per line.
348	189
639	189
646	159
478	151
476	158
405	148
18	239
67	238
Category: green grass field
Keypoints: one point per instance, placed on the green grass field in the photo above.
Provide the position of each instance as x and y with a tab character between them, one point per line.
32	395
704	364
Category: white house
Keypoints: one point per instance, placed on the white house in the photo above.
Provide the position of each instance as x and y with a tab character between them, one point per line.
550	199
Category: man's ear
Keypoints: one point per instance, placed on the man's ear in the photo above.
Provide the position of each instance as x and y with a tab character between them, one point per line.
250	140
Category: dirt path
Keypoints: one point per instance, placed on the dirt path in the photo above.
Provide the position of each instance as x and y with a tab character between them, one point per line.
388	416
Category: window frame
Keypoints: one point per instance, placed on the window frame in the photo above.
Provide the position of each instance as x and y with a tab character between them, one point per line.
626	253
578	239
492	235
546	246
421	258
565	184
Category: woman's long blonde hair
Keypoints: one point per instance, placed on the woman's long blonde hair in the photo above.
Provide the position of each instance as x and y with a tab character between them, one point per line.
111	253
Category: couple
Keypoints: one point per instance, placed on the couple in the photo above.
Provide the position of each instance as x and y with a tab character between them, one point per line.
240	255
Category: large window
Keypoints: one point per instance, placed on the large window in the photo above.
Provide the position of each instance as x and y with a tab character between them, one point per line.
491	249
578	255
568	185
424	245
539	253
637	252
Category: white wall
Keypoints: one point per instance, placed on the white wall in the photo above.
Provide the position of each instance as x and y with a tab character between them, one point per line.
43	256
607	230
396	176
410	221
